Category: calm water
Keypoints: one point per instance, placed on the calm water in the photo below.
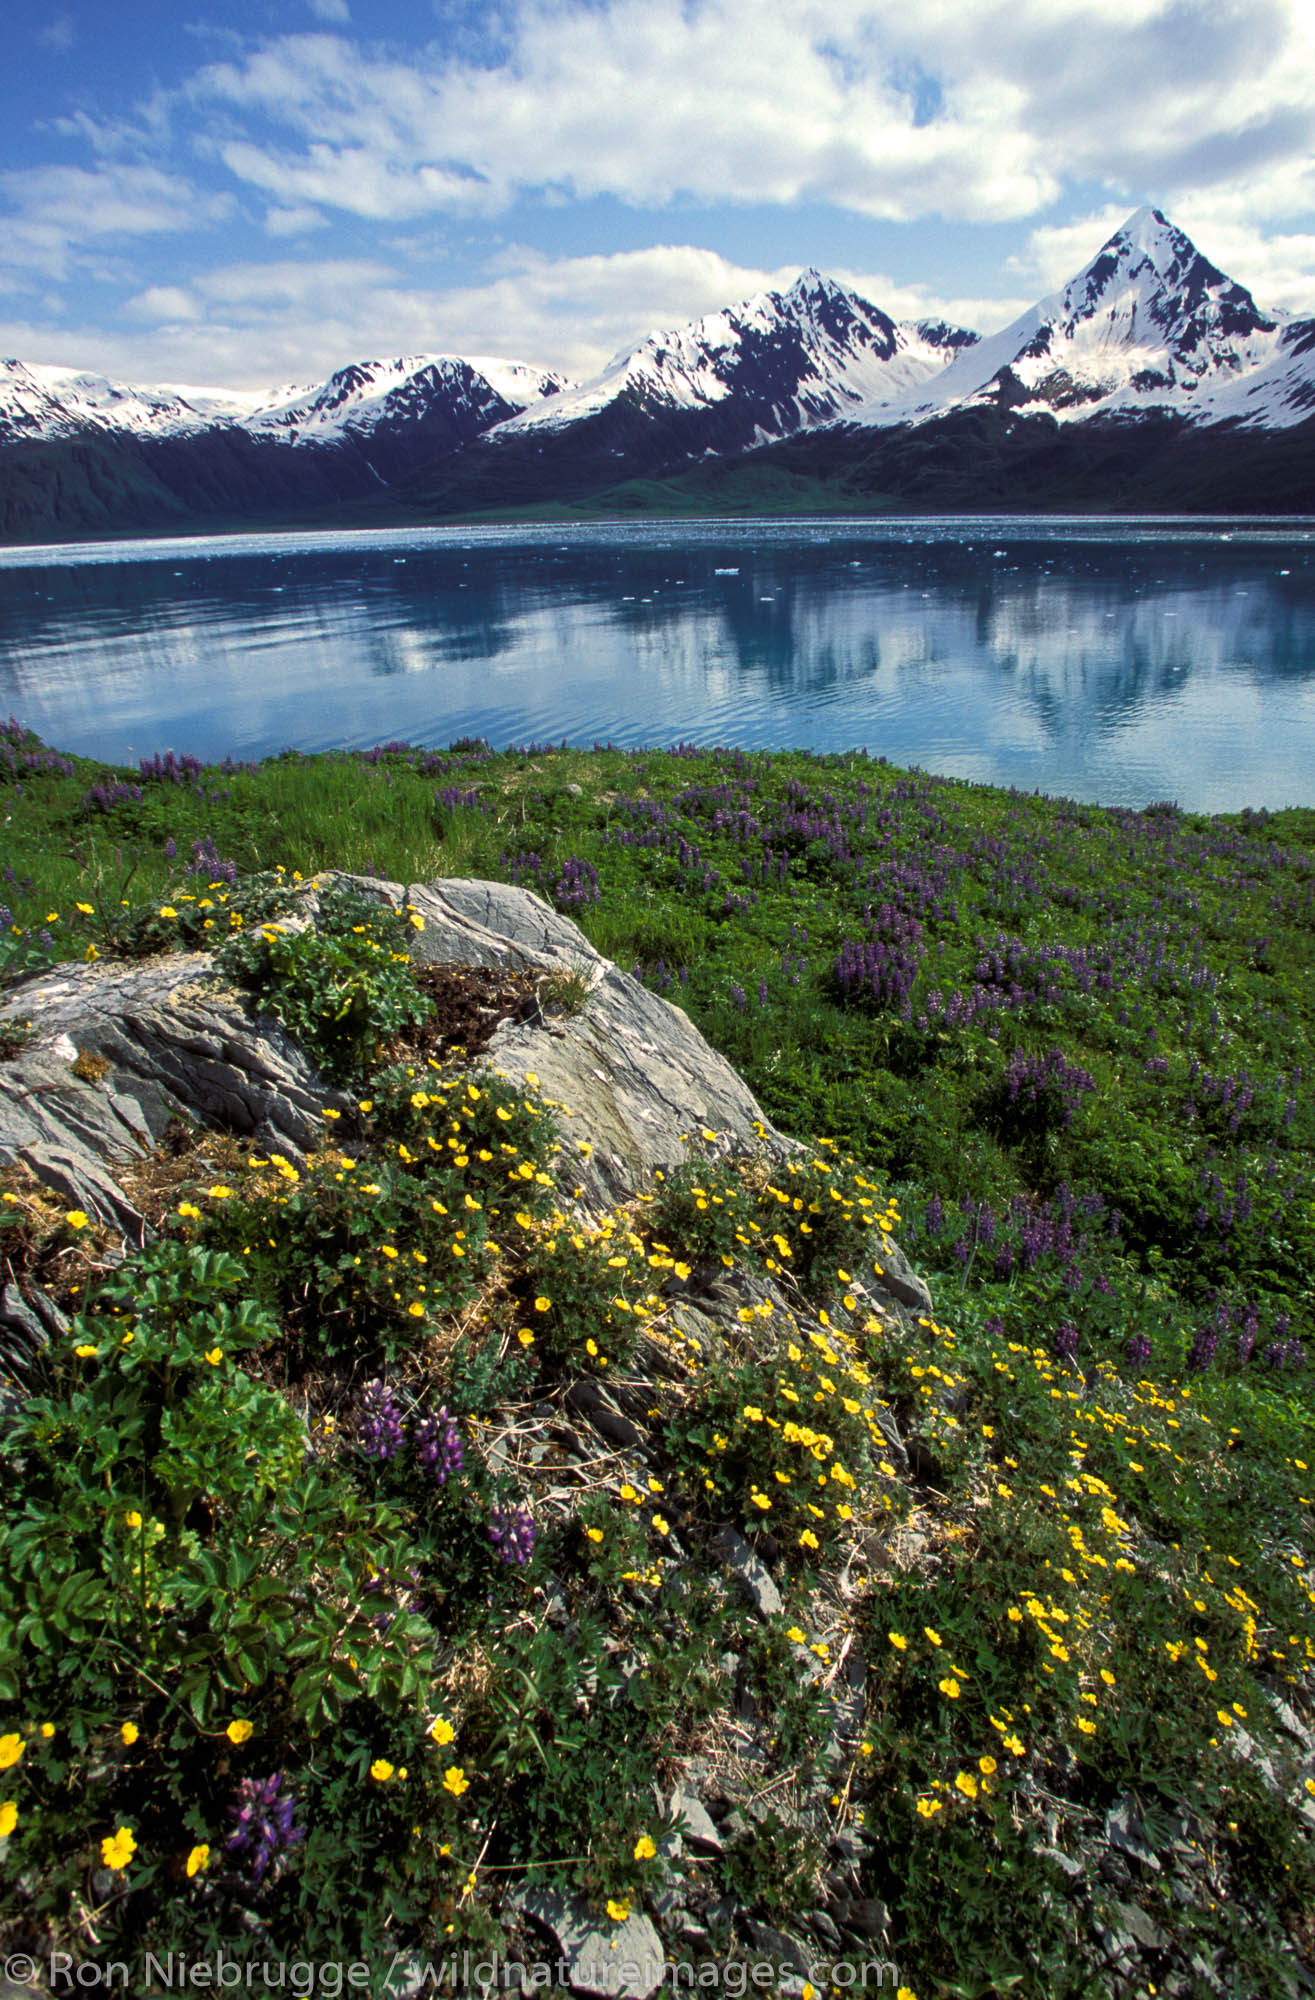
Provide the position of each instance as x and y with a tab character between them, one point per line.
1113	661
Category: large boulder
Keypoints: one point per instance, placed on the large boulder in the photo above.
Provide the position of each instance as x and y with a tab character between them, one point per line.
120	1050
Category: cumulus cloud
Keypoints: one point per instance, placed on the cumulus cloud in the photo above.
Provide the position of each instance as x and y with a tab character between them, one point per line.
55	212
251	325
973	109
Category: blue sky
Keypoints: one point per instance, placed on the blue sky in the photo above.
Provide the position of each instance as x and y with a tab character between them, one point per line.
258	192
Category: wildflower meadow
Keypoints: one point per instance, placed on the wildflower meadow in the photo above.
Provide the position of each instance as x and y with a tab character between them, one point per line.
302	1645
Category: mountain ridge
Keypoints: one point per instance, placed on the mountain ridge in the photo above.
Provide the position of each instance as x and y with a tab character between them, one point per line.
1149	335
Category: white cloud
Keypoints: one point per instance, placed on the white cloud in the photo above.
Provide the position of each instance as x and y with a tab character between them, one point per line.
1057	251
903	301
58	35
163	304
56	212
296	221
971	110
253	325
974	109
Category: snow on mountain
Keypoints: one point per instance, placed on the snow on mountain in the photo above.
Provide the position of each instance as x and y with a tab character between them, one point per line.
795	359
39	402
1148	327
366	395
1148	324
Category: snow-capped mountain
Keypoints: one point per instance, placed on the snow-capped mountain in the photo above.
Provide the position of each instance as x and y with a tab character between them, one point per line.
463	395
1150	374
1148	325
422	392
775	364
48	402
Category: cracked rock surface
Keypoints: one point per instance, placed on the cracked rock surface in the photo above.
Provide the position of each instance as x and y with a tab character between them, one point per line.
121	1049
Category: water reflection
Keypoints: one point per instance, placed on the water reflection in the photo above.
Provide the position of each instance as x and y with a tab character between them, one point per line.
1106	662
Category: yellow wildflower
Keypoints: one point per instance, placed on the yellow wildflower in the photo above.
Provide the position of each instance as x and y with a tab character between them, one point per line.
118	1848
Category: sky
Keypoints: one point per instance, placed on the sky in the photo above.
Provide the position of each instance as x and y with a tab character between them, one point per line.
259	191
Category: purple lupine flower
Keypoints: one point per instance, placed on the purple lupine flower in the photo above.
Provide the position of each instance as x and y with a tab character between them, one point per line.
511	1531
1139	1350
438	1445
1204	1347
1066	1342
263	1823
1250	1333
379	1423
209	863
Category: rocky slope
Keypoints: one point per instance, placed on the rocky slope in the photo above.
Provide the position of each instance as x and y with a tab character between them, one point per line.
122	1053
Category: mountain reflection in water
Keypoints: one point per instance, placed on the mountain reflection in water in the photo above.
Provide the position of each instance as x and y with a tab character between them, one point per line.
1118	662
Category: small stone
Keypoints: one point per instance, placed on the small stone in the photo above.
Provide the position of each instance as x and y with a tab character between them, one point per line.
782	1949
1125	1830
1064	1862
1141	1927
748	1571
623	1962
868	1916
698	1829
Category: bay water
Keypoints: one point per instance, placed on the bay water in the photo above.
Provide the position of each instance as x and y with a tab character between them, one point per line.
1116	661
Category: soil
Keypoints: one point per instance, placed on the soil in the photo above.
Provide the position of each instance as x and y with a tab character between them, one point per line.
469	1002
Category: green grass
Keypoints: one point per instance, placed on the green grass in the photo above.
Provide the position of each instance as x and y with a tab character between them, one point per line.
1085	1599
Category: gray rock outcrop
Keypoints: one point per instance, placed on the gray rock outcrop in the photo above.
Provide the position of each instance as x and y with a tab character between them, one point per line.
120	1050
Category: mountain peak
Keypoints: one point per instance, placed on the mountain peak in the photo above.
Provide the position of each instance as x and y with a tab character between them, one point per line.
812	283
1149	275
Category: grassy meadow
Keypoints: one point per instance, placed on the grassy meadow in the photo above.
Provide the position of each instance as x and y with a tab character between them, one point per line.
1061	1052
